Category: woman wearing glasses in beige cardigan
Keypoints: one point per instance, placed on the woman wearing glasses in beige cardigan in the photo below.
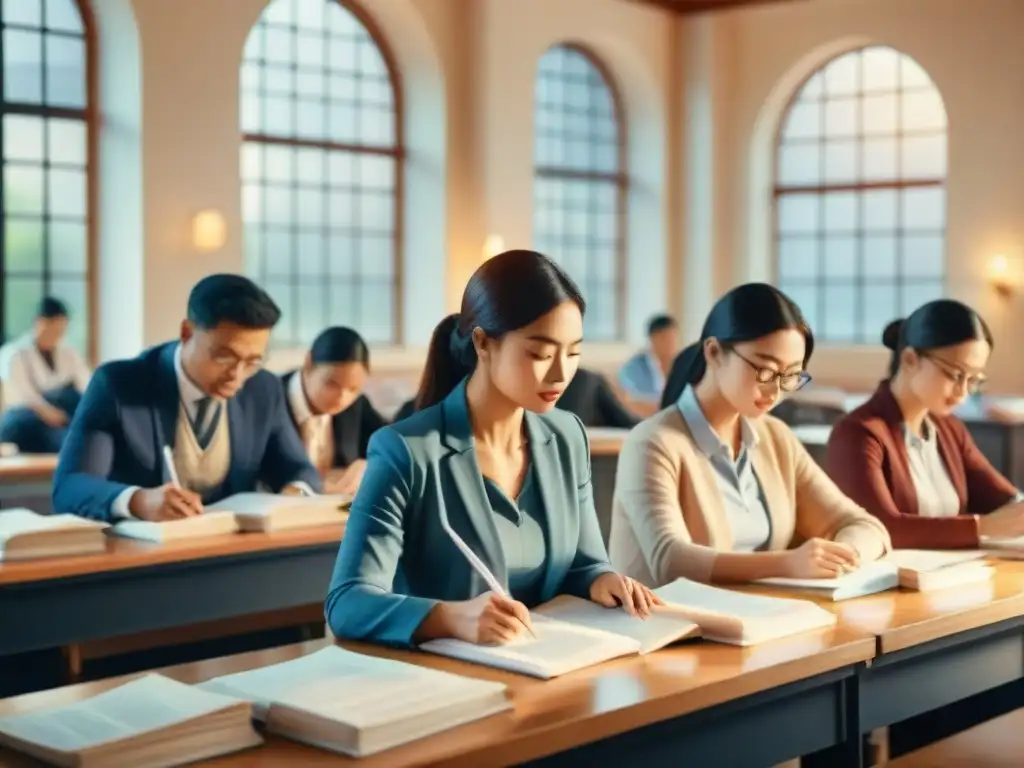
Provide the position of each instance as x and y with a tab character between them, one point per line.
712	488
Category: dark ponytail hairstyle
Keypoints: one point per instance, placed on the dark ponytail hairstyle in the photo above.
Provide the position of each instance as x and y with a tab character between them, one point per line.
748	312
337	345
506	293
937	324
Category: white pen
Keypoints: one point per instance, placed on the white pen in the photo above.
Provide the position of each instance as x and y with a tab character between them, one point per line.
169	463
478	565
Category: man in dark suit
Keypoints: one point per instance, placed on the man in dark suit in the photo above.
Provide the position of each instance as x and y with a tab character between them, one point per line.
591	398
206	398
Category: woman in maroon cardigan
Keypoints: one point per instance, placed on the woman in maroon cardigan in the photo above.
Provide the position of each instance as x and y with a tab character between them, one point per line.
906	459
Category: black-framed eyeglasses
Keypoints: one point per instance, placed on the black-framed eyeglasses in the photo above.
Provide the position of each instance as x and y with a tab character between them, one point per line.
788	382
973	383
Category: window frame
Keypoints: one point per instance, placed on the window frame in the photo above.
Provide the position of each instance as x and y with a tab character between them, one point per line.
896	185
397	151
89	117
619	178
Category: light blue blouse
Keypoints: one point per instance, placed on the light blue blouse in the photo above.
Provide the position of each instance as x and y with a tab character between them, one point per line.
520	526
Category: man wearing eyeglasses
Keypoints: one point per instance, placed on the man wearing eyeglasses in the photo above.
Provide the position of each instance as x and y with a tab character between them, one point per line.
204	401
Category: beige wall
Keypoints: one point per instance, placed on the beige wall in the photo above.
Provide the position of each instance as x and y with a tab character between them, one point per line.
702	98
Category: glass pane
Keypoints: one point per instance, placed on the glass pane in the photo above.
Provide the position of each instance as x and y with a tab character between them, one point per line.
924	157
841	76
61	15
342	254
23	138
924	208
879	306
879	114
23	66
23	190
23	245
799	213
841	118
880	209
73	292
841	211
840	257
67	141
840	313
879	69
311	259
840	162
803	122
68	246
378	313
805	295
798	258
912	75
917	293
923	111
880	257
813	88
799	164
312	317
923	256
65	71
24	12
21	299
66	193
879	160
277	252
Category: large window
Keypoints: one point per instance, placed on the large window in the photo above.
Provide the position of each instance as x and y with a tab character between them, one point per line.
579	190
320	169
860	194
44	133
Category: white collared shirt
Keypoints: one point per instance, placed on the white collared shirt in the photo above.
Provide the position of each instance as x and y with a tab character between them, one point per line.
26	375
319	424
190	395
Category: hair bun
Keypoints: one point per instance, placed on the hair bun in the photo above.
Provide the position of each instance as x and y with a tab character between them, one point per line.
892	332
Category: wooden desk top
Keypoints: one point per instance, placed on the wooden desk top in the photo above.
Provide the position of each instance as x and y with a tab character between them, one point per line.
903	618
27	466
606	441
123	553
548	716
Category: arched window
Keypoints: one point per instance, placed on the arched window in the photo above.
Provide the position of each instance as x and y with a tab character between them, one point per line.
45	135
860	194
320	169
579	188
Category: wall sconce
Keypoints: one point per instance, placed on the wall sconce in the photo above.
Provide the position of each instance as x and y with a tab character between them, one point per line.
999	275
209	231
493	245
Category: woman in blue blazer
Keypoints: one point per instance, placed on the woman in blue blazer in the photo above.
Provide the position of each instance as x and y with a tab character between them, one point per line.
488	452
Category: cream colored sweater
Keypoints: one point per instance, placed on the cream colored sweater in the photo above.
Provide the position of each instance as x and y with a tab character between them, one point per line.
668	518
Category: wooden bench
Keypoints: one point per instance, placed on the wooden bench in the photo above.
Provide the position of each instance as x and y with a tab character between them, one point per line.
999	743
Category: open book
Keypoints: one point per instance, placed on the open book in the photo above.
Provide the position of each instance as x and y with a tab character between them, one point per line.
359	705
572	633
870	578
925	569
25	534
150	722
264	512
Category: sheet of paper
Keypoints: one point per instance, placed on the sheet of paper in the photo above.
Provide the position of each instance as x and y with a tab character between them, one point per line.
863	574
693	594
147	704
931	559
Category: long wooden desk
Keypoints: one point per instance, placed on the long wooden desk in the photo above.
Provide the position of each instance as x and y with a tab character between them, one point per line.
140	587
934	648
25	481
698	704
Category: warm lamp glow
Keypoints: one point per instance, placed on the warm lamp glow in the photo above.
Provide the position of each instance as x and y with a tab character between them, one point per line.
493	245
209	231
999	274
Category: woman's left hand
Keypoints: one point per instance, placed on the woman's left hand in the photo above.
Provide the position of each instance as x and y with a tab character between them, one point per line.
611	590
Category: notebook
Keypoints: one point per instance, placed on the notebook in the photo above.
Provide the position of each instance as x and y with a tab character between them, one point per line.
261	512
925	570
359	705
1004	549
151	722
878	576
25	534
572	633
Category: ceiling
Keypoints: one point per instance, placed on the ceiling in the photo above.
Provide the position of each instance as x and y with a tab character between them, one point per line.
698	6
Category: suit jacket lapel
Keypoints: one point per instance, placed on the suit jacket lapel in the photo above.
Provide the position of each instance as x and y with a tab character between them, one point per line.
167	402
553	490
468	509
238	439
902	482
710	507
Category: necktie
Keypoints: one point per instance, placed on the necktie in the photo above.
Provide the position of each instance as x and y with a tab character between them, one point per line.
205	422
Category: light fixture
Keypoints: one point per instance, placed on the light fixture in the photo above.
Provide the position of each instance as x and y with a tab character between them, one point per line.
999	275
209	231
493	245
